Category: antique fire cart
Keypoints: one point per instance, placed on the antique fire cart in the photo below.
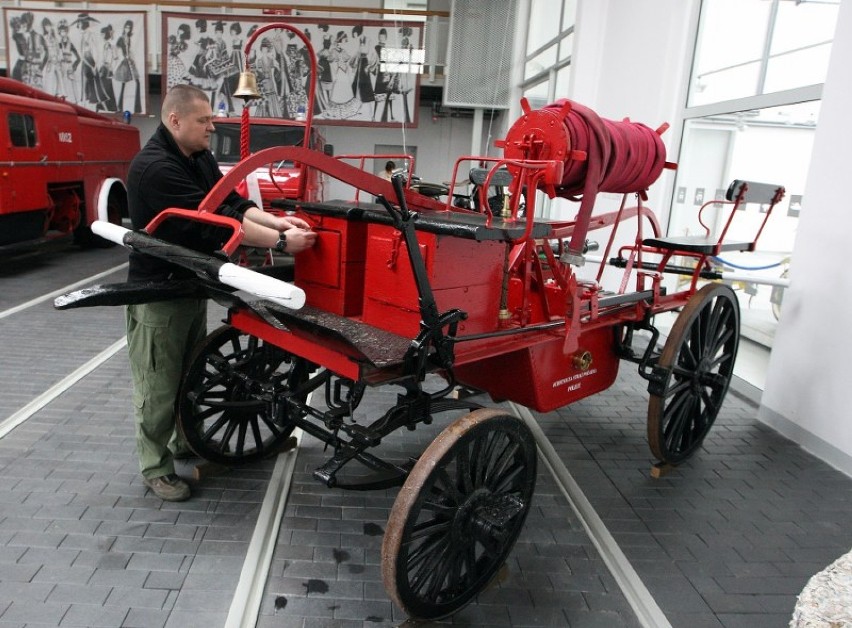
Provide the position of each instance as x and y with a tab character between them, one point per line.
489	301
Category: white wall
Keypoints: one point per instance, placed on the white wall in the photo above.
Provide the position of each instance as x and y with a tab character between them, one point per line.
630	60
807	385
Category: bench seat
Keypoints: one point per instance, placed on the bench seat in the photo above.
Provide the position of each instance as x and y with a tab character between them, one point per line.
697	244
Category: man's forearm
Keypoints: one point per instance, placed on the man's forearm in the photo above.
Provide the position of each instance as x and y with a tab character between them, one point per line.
260	217
256	234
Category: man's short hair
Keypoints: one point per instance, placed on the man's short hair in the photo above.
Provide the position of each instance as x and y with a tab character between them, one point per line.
180	100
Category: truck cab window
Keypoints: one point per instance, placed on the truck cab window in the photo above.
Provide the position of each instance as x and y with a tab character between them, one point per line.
22	130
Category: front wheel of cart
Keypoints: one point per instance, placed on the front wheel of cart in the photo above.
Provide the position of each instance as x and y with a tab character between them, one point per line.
231	407
696	365
459	513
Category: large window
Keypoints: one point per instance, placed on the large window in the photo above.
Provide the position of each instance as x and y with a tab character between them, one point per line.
752	47
753	106
550	41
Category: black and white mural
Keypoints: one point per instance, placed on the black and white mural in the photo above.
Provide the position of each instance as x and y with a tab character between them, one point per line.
367	71
95	59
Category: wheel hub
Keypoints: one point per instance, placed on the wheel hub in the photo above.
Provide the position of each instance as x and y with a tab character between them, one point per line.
485	515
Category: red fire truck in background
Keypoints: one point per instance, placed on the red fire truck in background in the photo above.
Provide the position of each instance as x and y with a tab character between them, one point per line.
61	167
281	180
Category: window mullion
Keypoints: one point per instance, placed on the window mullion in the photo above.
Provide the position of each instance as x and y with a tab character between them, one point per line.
767	47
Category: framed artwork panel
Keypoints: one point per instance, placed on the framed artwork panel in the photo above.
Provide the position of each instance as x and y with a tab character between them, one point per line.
95	59
363	67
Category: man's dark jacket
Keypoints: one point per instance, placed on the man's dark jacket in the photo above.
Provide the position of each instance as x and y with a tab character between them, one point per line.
161	176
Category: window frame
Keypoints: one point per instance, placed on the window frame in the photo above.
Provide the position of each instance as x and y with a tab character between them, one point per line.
27	130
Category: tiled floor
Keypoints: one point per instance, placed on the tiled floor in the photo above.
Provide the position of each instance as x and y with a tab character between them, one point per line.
727	539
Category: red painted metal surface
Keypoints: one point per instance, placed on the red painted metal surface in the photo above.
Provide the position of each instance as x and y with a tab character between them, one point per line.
53	171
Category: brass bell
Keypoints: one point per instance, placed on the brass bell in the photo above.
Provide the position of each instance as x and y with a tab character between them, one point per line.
247	87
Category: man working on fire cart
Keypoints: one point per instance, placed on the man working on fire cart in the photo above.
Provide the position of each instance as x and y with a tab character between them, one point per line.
177	169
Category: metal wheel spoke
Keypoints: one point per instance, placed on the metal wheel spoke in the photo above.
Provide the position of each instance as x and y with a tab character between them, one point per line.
710	314
423	565
428	528
229	430
203	415
500	463
214	379
484	463
678	402
451	489
719	338
217	425
467	460
255	431
270	424
682	372
452	570
241	438
678	388
469	561
677	427
508	479
455	578
444	510
709	402
209	394
694	344
678	415
689	356
439	574
719	351
688	435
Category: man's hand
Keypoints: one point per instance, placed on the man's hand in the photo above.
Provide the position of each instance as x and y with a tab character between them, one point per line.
282	223
274	221
299	239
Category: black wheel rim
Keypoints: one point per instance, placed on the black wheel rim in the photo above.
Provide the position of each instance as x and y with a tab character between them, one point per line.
701	358
232	406
466	519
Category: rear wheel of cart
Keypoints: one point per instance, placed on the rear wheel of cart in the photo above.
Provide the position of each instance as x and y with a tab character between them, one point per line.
698	362
231	406
459	513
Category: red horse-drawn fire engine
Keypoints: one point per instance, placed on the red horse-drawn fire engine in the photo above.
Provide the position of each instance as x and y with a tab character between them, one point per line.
412	286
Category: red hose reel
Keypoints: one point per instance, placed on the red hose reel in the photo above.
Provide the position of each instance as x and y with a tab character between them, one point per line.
599	155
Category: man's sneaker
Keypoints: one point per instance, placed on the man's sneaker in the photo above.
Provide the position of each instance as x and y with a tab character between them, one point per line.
168	487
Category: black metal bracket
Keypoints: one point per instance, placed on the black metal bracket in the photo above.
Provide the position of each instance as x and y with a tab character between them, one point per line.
351	441
432	322
656	376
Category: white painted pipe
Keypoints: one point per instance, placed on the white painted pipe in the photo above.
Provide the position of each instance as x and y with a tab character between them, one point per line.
263	286
238	277
109	231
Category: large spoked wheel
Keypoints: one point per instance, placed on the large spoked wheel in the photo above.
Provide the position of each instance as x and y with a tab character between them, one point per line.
459	513
230	408
699	356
